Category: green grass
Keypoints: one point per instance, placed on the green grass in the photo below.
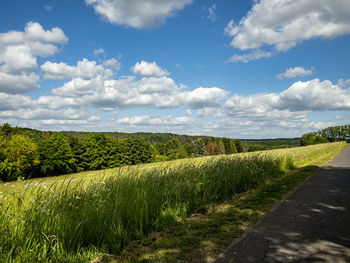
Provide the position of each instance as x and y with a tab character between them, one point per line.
72	220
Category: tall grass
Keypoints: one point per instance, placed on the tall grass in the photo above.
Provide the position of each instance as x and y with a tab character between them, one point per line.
70	221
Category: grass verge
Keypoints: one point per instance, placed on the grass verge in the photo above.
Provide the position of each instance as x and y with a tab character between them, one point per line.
196	206
202	237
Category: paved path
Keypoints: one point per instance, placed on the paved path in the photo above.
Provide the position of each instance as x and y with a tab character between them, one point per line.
311	225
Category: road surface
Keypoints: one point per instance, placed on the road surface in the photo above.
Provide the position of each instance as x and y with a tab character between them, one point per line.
311	225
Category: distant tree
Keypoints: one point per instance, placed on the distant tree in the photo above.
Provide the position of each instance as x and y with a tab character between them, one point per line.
310	138
95	153
139	151
56	156
198	146
188	147
118	153
239	146
21	155
161	148
5	130
220	148
2	148
210	148
228	146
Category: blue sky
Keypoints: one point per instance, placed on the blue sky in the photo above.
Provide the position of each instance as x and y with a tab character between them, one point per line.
241	69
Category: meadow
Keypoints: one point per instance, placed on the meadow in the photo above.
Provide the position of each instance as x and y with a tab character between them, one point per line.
73	218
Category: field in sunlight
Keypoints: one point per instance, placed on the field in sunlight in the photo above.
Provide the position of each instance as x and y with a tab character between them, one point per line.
72	218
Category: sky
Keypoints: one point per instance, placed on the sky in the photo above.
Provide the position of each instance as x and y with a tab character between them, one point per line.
238	69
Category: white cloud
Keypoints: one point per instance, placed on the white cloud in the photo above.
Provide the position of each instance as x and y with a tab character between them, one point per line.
10	102
258	107
137	13
17	58
295	72
203	97
169	123
35	32
246	129
78	87
112	63
157	120
292	103
18	83
254	55
18	55
84	69
343	84
211	16
128	91
43	113
18	50
282	24
149	69
314	95
91	119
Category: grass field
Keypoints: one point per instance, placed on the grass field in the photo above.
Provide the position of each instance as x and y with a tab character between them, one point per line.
73	218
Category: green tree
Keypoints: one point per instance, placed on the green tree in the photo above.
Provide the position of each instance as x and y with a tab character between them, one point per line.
2	148
310	138
189	149
95	153
199	147
139	151
5	130
118	153
229	146
22	155
172	146
239	146
56	156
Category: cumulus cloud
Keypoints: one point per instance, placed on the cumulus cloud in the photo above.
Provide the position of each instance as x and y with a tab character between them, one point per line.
137	13
343	83
129	91
18	55
149	69
282	24
292	103
112	63
84	69
295	72
10	102
203	97
258	107
18	83
314	95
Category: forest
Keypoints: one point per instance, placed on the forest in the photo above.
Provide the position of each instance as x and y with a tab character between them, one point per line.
27	153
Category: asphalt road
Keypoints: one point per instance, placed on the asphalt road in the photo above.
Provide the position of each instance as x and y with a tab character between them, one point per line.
311	225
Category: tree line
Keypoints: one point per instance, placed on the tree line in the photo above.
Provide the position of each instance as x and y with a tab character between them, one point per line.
27	153
330	134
